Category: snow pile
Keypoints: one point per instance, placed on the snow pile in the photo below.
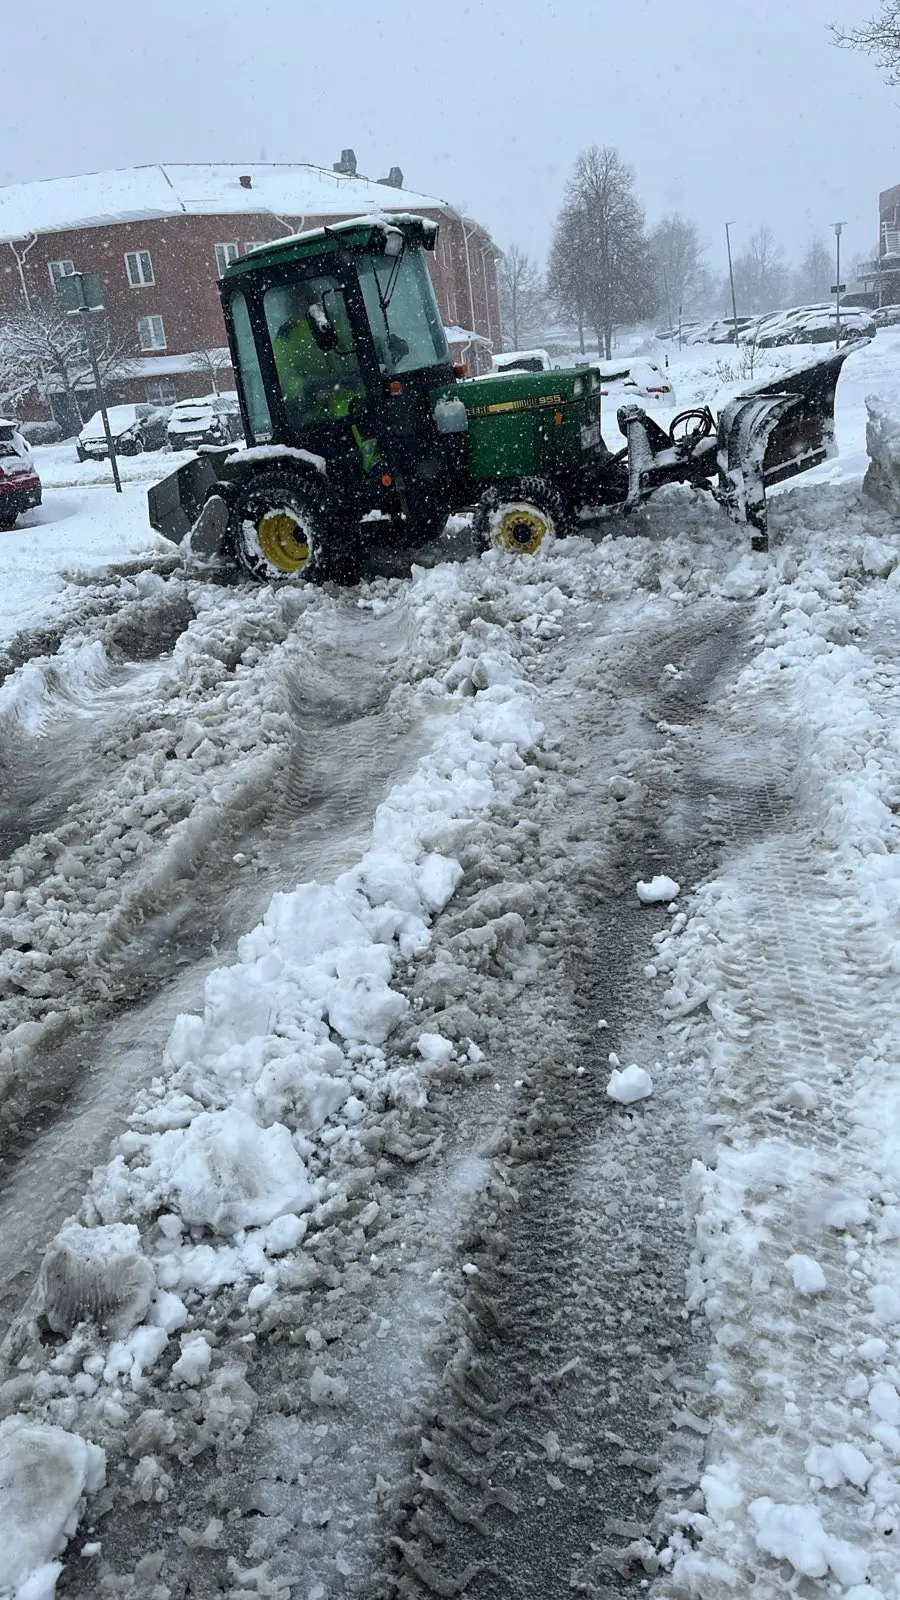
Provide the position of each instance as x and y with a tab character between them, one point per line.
45	1476
882	479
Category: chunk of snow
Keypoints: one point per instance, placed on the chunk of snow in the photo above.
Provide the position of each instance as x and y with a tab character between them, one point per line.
194	1360
807	1275
45	1473
96	1275
659	888
225	1172
628	1084
836	1462
885	1302
884	1401
325	1391
434	1047
793	1533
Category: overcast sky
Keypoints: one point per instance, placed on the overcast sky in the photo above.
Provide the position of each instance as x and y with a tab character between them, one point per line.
728	110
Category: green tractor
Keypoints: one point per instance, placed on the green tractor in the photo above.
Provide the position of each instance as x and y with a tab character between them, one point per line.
362	433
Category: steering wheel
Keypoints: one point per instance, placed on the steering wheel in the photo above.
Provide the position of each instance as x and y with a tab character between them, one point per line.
689	427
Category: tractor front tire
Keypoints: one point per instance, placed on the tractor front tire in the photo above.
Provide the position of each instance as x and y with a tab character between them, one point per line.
522	516
283	525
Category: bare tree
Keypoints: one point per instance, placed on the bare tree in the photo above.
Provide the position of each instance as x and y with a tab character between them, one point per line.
521	295
212	363
879	37
568	268
600	239
678	252
44	349
812	281
761	274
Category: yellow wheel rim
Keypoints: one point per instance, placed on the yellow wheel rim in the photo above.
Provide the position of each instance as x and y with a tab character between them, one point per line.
282	541
520	530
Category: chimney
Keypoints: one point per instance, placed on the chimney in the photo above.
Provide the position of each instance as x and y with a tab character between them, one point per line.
394	179
245	180
347	164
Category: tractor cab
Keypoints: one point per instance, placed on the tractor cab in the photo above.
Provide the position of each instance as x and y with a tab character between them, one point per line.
338	348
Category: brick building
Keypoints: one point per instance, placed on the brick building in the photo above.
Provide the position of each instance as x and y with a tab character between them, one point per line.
160	236
879	280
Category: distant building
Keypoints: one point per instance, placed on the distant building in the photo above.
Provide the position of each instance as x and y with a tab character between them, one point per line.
161	236
879	280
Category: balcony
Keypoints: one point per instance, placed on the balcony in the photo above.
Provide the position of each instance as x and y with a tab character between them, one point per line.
887	266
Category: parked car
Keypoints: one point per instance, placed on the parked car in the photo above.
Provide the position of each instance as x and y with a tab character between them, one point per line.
886	316
521	361
809	325
213	419
134	428
625	380
719	331
20	486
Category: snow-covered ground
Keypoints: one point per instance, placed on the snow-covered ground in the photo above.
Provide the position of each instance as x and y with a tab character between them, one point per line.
449	1066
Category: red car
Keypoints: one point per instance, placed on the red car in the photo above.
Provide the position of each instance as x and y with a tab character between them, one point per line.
20	486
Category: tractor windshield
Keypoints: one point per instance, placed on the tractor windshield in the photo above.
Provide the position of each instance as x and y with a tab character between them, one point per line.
319	377
402	310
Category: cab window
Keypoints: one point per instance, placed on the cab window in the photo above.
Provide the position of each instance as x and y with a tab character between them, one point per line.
403	313
312	343
250	374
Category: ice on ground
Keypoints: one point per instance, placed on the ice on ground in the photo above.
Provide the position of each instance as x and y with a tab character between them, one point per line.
45	1475
628	1084
658	888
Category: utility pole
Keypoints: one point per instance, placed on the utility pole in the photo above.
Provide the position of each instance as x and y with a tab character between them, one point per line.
728	226
668	301
838	286
81	294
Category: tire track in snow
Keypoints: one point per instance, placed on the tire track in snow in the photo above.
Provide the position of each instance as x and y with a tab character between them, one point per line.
799	996
572	1393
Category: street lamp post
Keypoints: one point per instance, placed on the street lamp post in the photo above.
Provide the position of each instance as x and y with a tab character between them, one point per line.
838	286
81	294
728	226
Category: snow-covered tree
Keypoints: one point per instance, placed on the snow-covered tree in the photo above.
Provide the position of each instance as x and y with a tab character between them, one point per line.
600	266
814	276
43	348
521	297
678	251
879	37
761	275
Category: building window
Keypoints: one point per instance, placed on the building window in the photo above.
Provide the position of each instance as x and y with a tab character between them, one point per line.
224	254
139	268
161	392
151	333
253	244
60	269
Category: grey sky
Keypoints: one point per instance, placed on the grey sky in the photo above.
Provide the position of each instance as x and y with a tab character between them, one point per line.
740	112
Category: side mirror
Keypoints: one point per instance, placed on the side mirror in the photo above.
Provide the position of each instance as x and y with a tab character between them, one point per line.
321	326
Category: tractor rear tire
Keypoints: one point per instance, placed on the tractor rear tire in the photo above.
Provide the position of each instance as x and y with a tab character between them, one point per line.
522	516
283	525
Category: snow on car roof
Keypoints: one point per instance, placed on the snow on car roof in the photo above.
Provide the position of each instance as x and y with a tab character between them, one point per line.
132	194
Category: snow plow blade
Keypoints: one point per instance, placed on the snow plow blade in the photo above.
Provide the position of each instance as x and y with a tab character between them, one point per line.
774	431
175	503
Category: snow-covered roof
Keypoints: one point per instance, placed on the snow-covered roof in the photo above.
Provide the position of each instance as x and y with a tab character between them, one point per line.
136	194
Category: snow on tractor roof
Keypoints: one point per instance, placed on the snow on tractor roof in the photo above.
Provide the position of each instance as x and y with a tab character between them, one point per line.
136	194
